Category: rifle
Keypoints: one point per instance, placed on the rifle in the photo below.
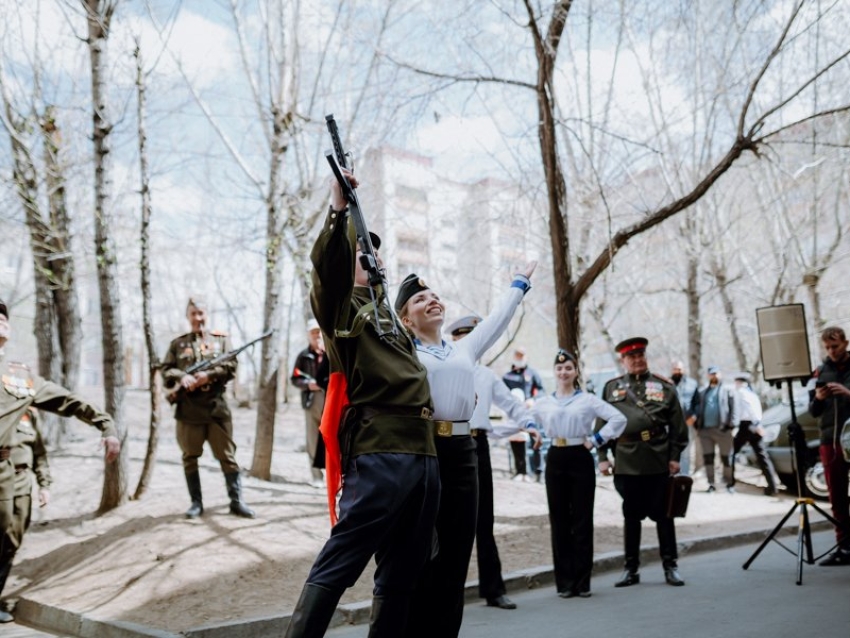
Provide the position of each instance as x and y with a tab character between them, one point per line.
377	282
173	393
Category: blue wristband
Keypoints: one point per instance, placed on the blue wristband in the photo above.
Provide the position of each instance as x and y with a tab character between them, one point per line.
531	426
598	439
522	282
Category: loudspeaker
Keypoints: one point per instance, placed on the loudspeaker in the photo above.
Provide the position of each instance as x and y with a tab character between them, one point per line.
784	342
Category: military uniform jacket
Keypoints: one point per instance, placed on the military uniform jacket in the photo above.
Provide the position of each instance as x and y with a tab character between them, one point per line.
22	389
383	373
29	452
208	402
650	403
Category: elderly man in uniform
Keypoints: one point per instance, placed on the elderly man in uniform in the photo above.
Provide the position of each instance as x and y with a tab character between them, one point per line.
201	408
645	456
21	390
490	389
310	375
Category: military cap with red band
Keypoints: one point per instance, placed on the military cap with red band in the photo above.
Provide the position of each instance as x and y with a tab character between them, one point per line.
633	344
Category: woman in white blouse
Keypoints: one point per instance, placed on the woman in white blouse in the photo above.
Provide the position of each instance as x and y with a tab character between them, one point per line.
567	417
437	604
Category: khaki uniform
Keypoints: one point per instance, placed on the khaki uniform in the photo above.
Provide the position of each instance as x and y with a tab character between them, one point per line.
202	415
655	434
29	458
20	390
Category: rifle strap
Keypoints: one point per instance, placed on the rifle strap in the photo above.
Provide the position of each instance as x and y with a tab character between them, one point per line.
360	321
363	316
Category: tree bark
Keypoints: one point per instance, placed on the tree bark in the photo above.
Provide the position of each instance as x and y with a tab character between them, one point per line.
98	17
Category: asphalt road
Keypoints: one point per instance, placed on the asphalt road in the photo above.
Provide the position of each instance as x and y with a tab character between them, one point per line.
719	599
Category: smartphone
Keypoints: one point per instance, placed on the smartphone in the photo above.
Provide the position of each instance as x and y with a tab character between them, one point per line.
820	384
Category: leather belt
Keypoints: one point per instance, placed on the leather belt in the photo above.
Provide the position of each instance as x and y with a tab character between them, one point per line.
369	411
643	435
4	453
567	442
452	428
478	432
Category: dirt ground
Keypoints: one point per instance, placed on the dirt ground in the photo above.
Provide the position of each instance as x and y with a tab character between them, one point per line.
146	563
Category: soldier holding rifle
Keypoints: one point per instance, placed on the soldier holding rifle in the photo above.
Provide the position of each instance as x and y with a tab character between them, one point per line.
201	408
391	486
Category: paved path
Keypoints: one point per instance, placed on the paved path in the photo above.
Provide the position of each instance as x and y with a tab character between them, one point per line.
720	599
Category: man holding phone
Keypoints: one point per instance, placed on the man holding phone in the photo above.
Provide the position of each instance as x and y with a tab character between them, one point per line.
830	402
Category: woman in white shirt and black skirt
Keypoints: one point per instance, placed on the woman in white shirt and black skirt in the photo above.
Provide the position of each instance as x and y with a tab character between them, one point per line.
567	417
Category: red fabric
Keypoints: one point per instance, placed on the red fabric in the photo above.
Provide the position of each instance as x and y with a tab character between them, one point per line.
336	400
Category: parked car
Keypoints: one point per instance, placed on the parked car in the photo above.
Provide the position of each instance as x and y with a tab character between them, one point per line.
775	423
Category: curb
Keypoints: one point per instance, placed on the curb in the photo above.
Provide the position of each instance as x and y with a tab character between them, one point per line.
63	621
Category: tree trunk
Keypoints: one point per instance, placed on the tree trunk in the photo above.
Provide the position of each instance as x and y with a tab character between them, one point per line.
62	265
154	373
98	16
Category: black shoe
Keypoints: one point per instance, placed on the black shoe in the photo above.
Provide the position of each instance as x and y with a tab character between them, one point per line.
568	593
584	594
711	489
840	556
628	579
502	602
730	489
5	616
195	510
770	491
671	575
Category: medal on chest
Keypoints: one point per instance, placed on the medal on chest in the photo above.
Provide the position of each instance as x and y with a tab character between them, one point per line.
654	391
18	381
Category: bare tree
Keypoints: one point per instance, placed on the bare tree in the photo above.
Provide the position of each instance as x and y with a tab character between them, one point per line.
98	20
757	122
154	372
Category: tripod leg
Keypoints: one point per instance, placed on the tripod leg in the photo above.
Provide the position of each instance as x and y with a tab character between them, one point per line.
771	535
807	530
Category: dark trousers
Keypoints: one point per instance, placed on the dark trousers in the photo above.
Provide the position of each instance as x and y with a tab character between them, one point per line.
644	496
518	450
388	507
570	492
835	471
745	435
437	607
490	583
535	458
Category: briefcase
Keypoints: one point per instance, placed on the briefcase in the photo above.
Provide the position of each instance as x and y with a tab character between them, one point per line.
678	494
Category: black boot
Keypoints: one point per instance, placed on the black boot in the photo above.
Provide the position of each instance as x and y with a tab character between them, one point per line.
234	491
669	551
631	536
193	481
5	568
389	616
313	613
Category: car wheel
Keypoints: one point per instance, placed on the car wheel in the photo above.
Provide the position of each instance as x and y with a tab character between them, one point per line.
816	481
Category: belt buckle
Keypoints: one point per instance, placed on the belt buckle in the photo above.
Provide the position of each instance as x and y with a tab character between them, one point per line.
559	442
444	428
645	435
426	413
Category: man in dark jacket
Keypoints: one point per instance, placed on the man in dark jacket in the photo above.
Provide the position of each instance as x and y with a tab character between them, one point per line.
310	375
831	403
